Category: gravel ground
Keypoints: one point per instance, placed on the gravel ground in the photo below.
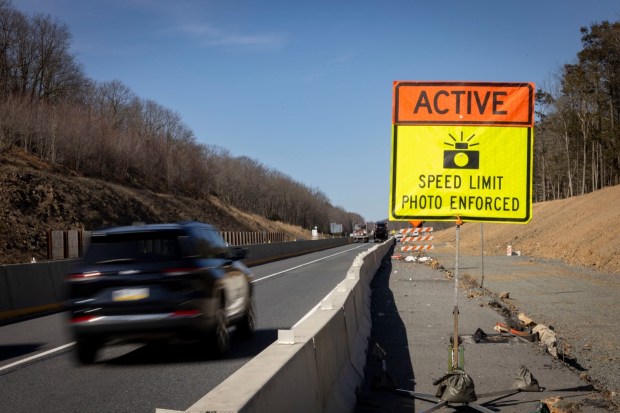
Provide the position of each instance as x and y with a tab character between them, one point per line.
580	304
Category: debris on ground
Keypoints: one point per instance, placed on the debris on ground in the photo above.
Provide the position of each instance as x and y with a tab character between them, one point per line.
525	334
525	327
414	258
559	405
526	320
547	338
383	380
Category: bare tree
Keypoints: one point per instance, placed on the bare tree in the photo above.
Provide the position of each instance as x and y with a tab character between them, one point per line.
104	130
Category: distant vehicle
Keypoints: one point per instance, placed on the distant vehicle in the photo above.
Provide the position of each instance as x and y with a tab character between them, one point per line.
360	232
381	232
157	281
398	236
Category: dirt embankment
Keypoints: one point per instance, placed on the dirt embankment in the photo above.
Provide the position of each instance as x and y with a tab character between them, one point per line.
36	197
583	230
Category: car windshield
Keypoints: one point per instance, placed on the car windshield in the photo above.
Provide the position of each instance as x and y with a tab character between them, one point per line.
134	247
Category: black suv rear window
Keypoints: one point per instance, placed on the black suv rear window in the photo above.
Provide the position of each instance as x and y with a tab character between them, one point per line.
134	247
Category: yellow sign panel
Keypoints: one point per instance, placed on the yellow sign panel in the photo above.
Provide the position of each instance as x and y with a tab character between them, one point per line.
474	172
471	169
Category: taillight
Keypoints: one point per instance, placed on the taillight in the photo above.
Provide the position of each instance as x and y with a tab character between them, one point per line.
82	276
185	313
84	319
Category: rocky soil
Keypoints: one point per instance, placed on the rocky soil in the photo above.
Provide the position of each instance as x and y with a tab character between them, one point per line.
36	197
583	230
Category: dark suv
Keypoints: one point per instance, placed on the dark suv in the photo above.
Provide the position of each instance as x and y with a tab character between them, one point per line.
381	232
158	281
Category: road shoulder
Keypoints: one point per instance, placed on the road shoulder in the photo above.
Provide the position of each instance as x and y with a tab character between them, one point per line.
412	321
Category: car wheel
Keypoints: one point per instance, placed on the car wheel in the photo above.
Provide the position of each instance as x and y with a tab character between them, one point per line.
221	338
86	350
247	325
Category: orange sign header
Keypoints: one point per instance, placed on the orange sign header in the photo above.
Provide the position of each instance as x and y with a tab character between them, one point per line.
463	103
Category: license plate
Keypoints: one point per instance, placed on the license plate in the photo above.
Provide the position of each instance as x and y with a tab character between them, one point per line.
130	294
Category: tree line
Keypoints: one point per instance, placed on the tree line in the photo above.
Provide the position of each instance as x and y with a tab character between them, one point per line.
577	132
49	107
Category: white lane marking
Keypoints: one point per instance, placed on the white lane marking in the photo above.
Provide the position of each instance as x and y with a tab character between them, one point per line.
303	265
309	313
36	356
316	307
313	310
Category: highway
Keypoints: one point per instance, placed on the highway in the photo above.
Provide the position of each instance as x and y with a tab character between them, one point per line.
38	371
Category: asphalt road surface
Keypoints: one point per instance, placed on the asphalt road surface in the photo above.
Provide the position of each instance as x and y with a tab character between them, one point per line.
38	371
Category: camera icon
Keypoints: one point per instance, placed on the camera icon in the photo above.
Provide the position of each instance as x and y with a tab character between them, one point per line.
461	157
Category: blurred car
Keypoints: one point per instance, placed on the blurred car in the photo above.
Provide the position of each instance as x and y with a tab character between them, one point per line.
149	282
398	236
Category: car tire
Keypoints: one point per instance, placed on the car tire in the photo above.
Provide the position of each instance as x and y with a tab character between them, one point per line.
221	335
86	350
247	325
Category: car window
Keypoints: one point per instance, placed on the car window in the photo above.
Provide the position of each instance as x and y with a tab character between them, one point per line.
217	243
217	239
207	245
133	247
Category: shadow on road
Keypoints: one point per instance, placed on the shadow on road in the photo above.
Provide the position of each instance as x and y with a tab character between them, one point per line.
9	351
183	352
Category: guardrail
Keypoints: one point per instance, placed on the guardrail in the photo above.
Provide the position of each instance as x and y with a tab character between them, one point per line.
317	366
27	289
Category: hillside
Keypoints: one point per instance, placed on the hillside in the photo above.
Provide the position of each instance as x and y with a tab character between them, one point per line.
36	197
583	230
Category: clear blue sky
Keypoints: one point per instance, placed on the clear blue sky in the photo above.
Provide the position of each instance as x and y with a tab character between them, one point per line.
305	87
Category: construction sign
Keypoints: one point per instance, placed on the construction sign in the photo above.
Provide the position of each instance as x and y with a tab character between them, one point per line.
462	150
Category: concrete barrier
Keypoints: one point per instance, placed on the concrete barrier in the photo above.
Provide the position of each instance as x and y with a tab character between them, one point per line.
6	299
318	366
262	253
30	289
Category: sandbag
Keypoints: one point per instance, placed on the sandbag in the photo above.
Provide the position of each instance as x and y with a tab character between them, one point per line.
456	387
525	381
547	338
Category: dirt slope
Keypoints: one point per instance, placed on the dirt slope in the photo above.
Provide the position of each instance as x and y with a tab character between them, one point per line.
583	230
36	197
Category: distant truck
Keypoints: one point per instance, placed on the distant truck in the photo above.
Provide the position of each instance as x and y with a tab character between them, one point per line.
360	232
381	231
